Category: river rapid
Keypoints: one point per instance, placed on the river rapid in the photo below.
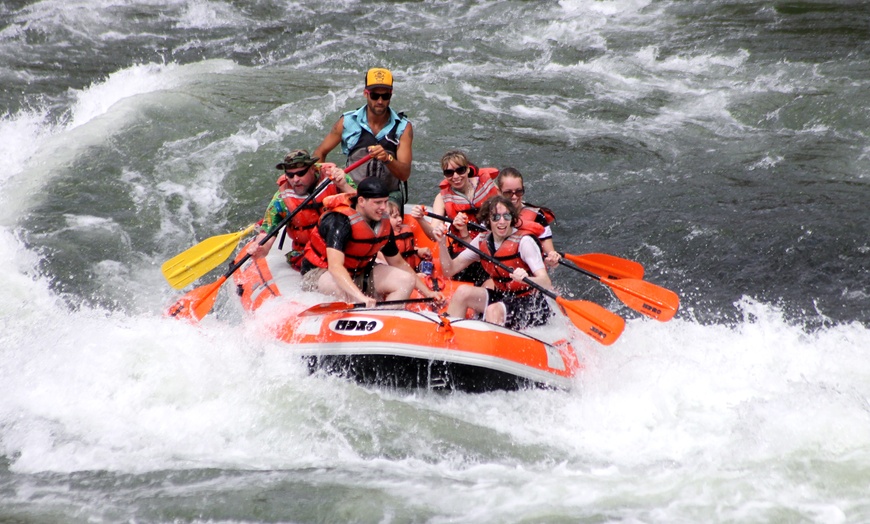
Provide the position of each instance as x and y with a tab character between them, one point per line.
722	144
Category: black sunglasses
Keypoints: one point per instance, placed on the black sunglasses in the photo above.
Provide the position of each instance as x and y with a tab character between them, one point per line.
299	173
461	170
508	193
377	96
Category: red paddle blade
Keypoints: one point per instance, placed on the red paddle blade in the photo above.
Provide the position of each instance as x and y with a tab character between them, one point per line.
608	266
602	325
327	307
197	303
332	307
645	297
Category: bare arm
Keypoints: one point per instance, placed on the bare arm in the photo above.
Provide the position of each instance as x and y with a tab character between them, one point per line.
333	138
451	266
539	277
551	257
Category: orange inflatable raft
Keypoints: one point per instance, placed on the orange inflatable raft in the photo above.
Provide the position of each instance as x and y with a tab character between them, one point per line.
404	348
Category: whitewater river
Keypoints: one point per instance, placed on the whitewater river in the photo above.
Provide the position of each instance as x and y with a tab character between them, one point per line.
722	144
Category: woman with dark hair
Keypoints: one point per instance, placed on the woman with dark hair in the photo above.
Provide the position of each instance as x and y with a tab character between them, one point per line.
512	302
510	184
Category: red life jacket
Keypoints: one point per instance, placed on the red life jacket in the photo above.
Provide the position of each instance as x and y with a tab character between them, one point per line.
299	229
455	203
530	226
508	254
541	215
363	245
407	246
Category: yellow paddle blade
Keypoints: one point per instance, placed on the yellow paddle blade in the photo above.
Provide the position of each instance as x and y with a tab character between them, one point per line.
184	268
602	325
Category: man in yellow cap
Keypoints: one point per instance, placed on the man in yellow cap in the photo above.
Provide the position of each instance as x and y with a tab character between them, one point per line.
377	130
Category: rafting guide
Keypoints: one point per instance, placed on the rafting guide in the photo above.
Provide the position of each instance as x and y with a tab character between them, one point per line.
375	129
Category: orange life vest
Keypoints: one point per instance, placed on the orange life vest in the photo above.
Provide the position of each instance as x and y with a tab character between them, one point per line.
455	203
299	228
541	215
508	253
530	226
407	246
363	245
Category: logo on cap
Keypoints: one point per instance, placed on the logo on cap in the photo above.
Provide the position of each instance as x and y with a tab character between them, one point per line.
379	77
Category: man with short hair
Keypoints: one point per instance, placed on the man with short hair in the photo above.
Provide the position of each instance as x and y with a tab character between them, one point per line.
377	130
340	256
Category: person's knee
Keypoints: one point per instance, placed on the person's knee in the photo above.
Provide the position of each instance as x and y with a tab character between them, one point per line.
496	313
404	280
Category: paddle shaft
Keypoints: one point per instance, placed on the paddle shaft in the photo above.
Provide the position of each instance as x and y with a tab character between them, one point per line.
575	267
472	225
631	266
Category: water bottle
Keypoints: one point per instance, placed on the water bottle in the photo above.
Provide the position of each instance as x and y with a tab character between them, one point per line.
426	267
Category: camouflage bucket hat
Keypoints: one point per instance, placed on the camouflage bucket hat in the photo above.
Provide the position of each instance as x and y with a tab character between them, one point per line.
296	159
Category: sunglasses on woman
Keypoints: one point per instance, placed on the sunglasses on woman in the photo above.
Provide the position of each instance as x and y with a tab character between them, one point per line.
495	217
461	170
510	193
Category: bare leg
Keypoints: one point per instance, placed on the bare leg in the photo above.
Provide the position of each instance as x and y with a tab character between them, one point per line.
496	313
467	297
393	283
326	285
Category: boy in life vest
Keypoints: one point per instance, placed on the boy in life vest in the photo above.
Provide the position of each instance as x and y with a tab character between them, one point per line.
339	259
405	238
301	176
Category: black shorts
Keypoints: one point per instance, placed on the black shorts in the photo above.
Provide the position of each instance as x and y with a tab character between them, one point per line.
531	309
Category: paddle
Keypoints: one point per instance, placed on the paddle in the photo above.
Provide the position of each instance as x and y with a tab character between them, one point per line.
197	303
184	268
592	319
189	265
472	225
642	296
605	266
332	307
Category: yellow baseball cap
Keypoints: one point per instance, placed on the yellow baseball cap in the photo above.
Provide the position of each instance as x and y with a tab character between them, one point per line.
379	77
